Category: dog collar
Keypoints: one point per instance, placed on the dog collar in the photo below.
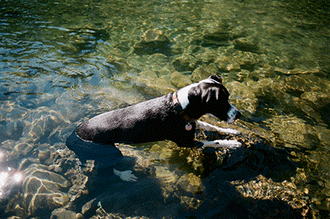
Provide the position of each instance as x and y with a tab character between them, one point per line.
180	110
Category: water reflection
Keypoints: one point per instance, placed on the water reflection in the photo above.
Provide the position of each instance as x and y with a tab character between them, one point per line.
9	177
63	61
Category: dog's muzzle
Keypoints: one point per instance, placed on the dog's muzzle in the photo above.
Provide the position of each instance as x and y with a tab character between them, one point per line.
233	114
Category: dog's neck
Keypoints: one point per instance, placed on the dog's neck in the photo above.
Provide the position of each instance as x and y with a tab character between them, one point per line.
182	95
180	100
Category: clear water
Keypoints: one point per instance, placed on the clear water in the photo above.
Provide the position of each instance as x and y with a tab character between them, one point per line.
64	61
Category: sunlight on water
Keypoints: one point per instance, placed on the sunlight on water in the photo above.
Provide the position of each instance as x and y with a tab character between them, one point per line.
8	177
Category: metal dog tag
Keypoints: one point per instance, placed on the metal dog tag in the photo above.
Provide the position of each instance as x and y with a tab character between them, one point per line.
188	127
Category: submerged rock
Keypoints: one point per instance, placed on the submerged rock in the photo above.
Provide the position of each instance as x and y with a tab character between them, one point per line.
186	62
153	41
216	39
262	188
85	40
154	35
190	202
191	183
246	44
293	131
44	121
204	71
62	213
242	97
180	80
220	34
41	190
44	189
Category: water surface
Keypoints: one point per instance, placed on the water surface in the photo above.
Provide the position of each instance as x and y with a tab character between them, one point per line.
62	62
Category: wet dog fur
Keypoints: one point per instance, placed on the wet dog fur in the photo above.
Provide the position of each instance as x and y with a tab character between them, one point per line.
173	116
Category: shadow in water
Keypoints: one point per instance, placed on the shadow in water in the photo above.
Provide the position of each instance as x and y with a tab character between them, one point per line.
248	185
324	111
109	195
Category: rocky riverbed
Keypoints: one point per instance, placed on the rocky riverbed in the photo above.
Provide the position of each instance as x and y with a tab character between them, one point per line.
63	62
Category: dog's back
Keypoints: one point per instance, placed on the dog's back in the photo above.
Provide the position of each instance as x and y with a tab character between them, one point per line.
148	121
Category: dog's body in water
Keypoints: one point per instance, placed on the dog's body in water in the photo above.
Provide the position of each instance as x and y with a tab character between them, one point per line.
173	117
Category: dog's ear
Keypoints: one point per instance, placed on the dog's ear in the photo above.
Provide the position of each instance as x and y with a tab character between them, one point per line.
204	93
211	94
216	78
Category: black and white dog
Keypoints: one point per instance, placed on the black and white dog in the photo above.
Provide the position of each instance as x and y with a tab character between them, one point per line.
173	117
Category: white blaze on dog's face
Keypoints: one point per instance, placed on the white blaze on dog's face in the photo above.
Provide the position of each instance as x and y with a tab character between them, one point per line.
208	96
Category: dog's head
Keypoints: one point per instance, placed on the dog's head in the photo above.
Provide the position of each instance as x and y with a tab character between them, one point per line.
208	96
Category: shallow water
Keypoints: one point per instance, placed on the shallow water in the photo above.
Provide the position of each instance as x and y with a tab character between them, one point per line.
63	61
